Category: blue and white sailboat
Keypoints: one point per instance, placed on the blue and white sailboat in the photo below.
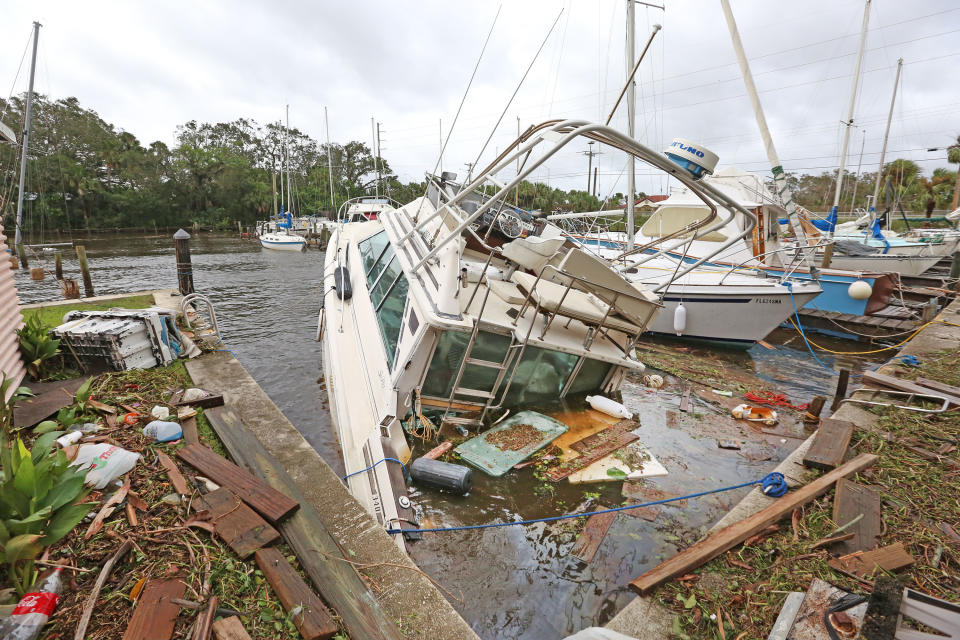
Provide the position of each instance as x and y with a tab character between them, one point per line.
283	239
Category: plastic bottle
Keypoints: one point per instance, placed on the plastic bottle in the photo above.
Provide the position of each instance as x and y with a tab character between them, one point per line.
163	431
71	438
609	407
32	612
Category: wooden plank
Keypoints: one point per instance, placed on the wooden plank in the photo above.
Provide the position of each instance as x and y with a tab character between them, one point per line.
939	386
650	514
313	620
592	535
173	472
270	503
829	445
685	400
235	522
318	552
841	391
863	563
730	536
189	426
851	501
873	377
595	447
230	629
50	397
644	493
155	616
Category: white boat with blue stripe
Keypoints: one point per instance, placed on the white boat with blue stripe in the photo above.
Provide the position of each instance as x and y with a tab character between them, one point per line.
283	241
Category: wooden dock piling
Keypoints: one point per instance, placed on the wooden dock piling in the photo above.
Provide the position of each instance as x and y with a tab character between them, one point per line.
58	265
955	270
22	255
181	245
85	271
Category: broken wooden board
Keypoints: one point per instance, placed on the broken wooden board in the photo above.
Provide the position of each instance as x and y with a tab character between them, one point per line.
189	427
634	459
230	629
650	514
872	377
643	493
862	564
50	398
313	621
592	536
268	502
809	625
829	445
939	386
173	473
594	447
235	522
849	502
728	537
685	400
155	615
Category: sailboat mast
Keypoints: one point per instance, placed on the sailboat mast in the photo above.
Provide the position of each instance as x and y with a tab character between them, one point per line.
326	122
779	177
287	149
283	161
853	102
631	113
883	149
25	144
373	135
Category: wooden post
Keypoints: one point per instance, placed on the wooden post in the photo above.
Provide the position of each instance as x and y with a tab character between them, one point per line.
36	273
14	263
955	268
22	254
841	391
181	245
827	256
58	265
85	271
71	289
240	228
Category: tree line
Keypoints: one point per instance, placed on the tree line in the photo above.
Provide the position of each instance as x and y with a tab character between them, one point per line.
85	173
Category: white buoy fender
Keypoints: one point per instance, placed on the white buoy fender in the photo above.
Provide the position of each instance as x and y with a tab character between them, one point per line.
609	407
860	290
680	319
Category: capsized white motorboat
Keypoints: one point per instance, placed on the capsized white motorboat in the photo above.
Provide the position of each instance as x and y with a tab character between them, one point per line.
463	304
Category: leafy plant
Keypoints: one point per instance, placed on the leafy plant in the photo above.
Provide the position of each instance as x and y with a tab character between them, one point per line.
36	345
38	503
68	417
82	396
6	406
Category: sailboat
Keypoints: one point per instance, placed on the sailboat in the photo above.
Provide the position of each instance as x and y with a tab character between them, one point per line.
283	238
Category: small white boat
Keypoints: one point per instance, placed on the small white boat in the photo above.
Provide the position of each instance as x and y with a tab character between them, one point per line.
283	241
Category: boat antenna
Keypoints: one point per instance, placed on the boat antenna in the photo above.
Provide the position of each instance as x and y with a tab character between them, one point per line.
779	177
515	91
18	236
462	101
656	28
834	211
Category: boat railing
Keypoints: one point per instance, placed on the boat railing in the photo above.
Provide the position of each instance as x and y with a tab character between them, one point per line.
789	269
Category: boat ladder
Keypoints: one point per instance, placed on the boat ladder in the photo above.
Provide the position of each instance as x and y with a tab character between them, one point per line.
506	369
207	329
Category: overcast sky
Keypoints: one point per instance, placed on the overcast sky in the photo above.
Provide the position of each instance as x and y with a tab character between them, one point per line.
147	67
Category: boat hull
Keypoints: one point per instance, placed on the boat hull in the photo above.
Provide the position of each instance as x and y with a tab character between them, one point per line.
283	242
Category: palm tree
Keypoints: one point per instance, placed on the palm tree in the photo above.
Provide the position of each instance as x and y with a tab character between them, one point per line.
953	157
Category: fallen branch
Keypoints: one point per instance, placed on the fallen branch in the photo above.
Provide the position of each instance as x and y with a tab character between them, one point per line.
828	541
95	591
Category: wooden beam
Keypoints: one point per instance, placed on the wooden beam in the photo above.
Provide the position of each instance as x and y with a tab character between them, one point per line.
268	502
592	536
173	472
728	537
230	629
862	564
155	615
841	391
313	621
318	552
189	426
235	522
851	501
829	445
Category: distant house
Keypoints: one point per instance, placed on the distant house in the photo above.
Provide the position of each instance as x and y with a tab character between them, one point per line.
10	362
648	203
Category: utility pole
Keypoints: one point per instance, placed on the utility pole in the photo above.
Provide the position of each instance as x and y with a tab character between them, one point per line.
631	114
849	120
25	145
326	121
883	149
590	153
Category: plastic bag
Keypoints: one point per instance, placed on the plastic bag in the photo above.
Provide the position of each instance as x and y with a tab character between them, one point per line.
160	412
105	461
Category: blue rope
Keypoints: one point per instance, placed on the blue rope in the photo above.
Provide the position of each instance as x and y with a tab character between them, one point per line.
803	335
405	473
772	479
774	485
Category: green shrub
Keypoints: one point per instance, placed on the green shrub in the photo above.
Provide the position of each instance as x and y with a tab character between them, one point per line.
36	346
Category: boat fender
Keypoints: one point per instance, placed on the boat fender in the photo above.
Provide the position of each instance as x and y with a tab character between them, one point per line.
609	407
441	475
680	319
860	290
341	283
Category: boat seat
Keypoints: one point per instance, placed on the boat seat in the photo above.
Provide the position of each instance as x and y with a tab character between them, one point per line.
532	253
632	301
506	291
578	305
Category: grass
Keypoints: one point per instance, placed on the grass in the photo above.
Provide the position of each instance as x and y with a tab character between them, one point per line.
164	549
52	315
745	587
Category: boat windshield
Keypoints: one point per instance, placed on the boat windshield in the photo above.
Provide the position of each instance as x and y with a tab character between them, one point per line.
541	377
387	286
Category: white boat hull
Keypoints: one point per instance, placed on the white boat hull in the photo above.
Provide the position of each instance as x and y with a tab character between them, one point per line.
904	265
283	242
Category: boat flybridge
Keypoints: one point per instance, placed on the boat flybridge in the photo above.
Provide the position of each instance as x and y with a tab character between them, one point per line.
460	303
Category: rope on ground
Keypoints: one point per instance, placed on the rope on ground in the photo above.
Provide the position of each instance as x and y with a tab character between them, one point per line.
772	484
764	396
405	473
862	353
799	327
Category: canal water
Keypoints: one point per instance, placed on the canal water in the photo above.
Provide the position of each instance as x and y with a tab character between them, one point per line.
513	582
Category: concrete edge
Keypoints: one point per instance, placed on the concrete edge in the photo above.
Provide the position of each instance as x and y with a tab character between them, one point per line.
103	298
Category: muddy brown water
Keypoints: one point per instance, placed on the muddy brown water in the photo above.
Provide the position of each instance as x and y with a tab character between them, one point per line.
511	582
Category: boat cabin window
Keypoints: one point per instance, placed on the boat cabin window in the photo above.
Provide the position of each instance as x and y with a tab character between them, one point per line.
540	377
387	286
667	220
